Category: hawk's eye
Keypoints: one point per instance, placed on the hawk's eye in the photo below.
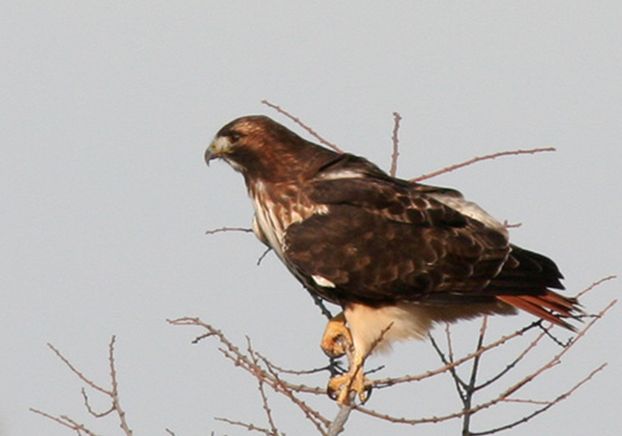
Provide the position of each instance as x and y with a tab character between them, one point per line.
234	137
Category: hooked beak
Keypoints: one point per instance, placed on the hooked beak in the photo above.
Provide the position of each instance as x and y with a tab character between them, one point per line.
219	147
209	154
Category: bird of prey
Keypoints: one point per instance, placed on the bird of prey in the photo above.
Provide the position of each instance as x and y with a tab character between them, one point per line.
397	256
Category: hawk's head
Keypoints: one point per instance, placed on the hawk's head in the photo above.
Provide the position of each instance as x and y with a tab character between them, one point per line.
261	148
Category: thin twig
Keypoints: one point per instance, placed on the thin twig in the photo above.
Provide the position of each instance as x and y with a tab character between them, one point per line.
508	225
249	427
386	382
228	229
66	422
320	422
234	354
476	159
112	393
262	392
595	284
396	143
77	372
319	302
116	399
548	404
293	371
305	126
264	254
88	407
512	364
449	364
470	388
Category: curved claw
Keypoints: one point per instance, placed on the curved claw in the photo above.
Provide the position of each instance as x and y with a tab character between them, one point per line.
340	387
337	339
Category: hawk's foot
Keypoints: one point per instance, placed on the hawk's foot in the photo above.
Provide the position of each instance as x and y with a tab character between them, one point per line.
337	339
340	387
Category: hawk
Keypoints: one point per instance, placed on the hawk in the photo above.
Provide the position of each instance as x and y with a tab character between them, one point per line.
397	256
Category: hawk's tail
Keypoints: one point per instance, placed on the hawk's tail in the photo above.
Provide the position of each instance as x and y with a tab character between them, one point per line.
549	306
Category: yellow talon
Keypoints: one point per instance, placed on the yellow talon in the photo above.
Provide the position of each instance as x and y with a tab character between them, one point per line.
337	339
336	342
340	387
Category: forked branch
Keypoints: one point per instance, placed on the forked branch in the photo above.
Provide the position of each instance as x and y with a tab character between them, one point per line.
111	392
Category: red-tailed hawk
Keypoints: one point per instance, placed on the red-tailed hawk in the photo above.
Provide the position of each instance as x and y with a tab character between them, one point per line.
397	256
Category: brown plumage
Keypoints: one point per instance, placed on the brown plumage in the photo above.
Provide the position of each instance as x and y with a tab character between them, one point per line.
387	250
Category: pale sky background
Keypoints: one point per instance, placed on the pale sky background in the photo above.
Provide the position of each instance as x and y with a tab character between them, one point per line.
106	109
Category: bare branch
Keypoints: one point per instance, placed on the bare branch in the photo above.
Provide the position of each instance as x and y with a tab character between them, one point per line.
249	427
262	392
512	364
386	382
338	424
85	398
503	395
547	404
112	393
66	422
508	225
116	399
396	143
449	365
595	284
292	371
476	159
264	254
228	229
234	354
305	126
470	388
315	417
77	372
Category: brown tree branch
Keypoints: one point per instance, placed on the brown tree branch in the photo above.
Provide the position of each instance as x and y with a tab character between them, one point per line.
595	284
88	407
503	395
338	424
112	394
249	427
116	399
66	422
262	392
547	404
79	374
390	381
512	364
396	143
302	124
476	159
228	229
470	388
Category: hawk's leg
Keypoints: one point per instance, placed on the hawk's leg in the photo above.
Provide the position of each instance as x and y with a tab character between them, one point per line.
336	342
340	387
337	339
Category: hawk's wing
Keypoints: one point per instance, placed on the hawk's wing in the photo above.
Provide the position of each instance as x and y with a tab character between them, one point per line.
385	240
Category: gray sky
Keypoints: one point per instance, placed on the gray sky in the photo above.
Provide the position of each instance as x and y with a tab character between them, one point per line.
108	106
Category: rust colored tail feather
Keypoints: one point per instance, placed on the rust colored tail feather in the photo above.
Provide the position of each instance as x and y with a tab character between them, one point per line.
549	306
